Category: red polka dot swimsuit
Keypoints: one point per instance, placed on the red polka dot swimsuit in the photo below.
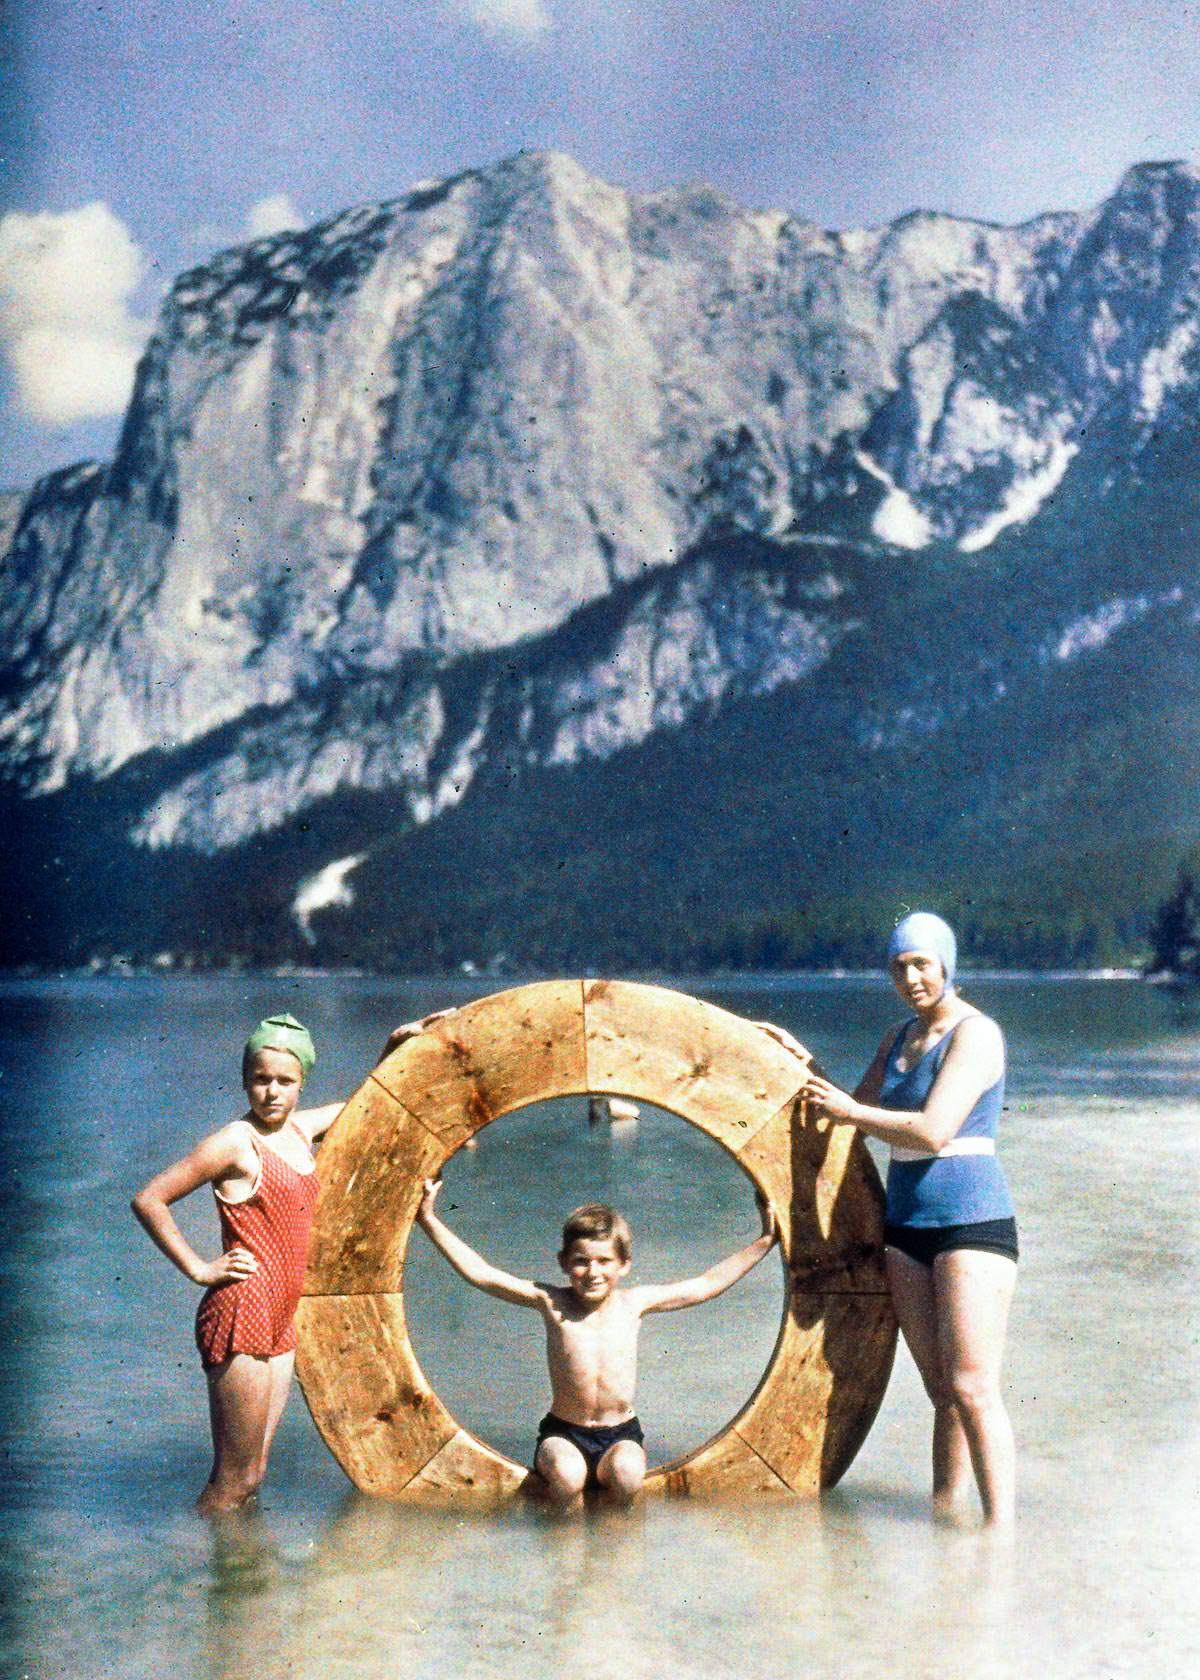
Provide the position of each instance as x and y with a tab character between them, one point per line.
255	1314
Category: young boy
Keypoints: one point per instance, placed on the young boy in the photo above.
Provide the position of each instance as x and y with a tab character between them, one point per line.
591	1436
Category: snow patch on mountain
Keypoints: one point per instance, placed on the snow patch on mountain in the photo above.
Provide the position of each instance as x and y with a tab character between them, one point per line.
326	890
897	519
1023	498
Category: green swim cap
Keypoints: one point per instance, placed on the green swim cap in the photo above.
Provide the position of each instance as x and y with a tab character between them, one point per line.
282	1032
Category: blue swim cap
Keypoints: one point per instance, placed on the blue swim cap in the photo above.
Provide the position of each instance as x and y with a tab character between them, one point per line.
923	931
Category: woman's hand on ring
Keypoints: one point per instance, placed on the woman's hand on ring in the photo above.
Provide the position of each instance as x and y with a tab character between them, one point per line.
830	1101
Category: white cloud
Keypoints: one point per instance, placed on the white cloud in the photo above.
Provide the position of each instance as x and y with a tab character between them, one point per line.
518	19
274	214
65	324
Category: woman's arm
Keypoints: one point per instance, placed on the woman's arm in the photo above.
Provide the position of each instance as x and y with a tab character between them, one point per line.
519	1292
226	1152
690	1292
974	1062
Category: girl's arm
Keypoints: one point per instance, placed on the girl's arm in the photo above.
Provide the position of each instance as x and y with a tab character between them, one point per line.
219	1156
315	1122
974	1062
519	1292
689	1292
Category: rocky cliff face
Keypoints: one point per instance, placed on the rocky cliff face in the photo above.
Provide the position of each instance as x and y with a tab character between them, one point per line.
425	487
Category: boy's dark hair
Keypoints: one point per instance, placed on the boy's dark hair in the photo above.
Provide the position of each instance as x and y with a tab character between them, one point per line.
597	1222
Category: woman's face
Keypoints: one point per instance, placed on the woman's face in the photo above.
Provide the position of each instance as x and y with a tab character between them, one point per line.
919	977
273	1081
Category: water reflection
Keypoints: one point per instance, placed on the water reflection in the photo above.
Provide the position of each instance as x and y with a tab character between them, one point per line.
249	1600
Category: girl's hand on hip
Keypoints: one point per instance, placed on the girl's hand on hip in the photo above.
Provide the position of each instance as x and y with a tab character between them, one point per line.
231	1267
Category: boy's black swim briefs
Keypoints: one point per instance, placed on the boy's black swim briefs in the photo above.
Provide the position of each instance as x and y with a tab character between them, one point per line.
593	1440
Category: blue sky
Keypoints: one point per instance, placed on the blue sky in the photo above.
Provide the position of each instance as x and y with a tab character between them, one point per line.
138	138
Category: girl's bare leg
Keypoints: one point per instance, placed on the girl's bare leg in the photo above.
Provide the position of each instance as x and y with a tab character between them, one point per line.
239	1393
280	1368
913	1292
974	1292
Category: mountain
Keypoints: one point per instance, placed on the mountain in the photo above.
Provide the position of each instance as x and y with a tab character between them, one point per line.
529	566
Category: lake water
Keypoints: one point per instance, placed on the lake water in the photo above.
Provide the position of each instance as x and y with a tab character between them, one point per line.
107	1572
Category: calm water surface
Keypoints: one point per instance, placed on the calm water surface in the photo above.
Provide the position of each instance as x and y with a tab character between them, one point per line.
107	1573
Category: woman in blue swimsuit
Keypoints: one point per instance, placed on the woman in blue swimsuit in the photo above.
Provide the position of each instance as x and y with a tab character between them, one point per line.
934	1093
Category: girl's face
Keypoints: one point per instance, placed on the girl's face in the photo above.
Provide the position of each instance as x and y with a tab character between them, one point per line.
273	1082
919	978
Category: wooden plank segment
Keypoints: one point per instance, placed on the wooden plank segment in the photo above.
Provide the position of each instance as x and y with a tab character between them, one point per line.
822	1389
466	1470
372	1169
368	1396
826	1193
715	1069
492	1056
725	1468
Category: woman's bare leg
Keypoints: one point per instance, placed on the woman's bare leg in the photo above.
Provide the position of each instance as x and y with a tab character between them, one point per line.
914	1298
974	1291
239	1393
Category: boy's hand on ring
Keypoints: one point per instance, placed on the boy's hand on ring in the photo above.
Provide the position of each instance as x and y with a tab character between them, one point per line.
429	1195
770	1225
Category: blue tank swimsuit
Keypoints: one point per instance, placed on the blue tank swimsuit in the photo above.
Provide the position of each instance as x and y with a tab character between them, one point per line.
966	1185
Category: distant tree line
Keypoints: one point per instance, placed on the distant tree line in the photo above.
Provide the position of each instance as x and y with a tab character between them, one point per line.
1175	932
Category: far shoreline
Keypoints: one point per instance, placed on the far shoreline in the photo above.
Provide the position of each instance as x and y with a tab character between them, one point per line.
505	978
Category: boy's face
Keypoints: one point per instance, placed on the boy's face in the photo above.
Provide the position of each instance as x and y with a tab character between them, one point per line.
593	1268
273	1082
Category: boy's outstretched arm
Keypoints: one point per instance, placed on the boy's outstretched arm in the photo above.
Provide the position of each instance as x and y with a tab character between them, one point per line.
520	1292
689	1292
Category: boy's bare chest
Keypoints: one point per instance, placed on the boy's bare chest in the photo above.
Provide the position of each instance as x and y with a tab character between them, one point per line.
596	1339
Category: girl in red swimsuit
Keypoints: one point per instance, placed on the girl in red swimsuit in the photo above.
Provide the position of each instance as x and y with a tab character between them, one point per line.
264	1179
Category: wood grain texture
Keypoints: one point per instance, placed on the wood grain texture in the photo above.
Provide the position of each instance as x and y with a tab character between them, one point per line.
372	1167
368	1396
715	1069
467	1469
822	1388
822	1183
491	1057
725	1468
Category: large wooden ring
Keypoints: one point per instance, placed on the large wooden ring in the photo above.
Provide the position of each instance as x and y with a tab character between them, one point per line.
366	1392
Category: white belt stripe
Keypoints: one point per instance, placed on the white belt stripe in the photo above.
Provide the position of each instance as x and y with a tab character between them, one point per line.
956	1146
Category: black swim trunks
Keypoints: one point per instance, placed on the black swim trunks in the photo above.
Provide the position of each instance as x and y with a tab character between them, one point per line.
592	1439
924	1243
